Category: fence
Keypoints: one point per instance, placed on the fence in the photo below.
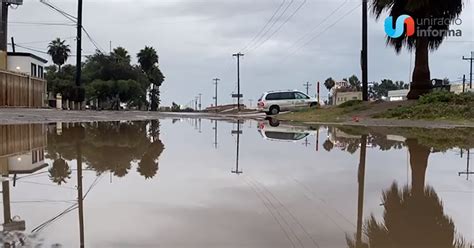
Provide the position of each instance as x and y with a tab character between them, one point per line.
16	139
21	90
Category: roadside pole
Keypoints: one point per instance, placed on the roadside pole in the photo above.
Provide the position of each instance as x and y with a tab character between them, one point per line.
471	59
238	55
79	53
364	57
216	82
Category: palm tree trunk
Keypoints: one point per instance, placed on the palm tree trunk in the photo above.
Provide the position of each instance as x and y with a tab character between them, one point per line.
421	82
419	163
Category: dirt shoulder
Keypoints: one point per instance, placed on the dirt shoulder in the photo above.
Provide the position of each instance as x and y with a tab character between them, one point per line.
362	115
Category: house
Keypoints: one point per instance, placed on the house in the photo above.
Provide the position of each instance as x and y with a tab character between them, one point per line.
26	63
23	150
22	84
397	95
341	97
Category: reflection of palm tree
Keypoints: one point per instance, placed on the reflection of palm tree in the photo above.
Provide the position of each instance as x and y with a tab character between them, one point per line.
60	171
328	145
148	165
411	221
413	217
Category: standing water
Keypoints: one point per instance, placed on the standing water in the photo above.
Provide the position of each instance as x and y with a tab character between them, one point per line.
209	183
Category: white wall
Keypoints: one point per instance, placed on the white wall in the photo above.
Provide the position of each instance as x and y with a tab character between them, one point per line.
22	64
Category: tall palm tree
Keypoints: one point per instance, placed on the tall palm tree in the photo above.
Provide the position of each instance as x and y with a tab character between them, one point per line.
59	51
418	10
147	58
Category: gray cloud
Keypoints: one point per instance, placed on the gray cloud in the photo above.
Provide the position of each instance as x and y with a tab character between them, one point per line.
196	39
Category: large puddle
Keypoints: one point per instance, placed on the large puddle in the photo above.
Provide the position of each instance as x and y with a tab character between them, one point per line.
204	183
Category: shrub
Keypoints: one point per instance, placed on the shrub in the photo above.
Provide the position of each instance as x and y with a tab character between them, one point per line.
350	103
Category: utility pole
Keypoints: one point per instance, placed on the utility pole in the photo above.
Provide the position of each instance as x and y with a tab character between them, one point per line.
318	90
196	103
471	59
468	170
307	85
79	52
216	82
13	45
364	54
238	132
463	83
238	55
200	101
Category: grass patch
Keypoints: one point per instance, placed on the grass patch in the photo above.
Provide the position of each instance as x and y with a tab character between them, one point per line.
340	113
435	106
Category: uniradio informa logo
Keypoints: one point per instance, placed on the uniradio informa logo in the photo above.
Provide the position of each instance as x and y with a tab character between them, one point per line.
399	29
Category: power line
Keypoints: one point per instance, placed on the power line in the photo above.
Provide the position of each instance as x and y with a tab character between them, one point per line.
319	24
326	29
273	23
283	24
265	26
62	12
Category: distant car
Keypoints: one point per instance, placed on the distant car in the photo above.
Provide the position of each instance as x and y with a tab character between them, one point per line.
274	102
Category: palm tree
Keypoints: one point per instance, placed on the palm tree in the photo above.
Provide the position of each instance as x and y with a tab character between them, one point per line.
59	51
447	10
121	55
329	83
147	58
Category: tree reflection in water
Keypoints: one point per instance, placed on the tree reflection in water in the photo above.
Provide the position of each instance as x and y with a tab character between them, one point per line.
413	216
107	146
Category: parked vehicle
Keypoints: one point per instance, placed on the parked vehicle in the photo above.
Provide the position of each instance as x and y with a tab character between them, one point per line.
274	102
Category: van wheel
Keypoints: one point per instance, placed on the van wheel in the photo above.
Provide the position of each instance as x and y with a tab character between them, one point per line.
313	105
274	110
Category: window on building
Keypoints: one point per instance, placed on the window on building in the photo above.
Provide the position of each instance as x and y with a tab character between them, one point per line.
40	72
34	72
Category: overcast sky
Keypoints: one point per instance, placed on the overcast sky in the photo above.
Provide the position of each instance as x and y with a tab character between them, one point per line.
195	40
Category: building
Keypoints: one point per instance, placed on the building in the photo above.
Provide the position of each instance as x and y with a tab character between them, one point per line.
26	63
22	151
397	95
22	84
342	97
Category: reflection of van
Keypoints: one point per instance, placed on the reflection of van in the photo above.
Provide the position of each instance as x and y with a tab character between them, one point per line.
275	132
276	101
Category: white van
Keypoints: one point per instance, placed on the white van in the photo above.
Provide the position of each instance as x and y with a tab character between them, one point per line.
274	102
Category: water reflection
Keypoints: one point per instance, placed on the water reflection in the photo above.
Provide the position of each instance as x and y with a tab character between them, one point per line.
107	146
195	190
413	216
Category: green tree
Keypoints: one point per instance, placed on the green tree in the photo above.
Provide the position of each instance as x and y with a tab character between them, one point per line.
329	83
377	91
148	60
355	83
59	51
120	55
441	10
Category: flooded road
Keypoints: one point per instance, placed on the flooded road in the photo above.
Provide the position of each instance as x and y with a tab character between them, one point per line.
204	183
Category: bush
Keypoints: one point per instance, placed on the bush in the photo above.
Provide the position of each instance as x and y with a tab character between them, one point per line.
350	103
437	105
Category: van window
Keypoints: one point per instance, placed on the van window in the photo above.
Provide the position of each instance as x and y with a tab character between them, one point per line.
281	96
301	96
272	96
